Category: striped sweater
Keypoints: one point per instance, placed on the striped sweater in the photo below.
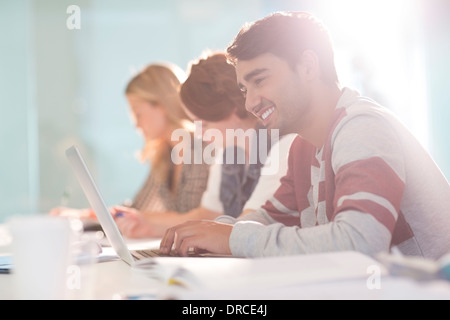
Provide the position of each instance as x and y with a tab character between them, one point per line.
370	187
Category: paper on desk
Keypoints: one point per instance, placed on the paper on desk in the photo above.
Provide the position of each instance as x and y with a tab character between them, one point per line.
234	273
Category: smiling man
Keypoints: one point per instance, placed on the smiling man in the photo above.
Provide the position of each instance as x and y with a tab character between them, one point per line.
357	178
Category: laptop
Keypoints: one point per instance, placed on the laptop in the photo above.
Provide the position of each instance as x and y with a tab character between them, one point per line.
102	212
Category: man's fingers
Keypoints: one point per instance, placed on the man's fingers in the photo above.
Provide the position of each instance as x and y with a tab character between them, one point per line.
182	236
197	235
167	241
187	245
176	235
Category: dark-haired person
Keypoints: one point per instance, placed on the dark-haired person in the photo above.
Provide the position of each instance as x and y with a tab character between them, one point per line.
212	98
357	178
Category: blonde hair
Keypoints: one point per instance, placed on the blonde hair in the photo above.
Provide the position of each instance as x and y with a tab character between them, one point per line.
159	84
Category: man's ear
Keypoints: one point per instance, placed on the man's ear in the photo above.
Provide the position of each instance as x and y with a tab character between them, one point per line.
309	64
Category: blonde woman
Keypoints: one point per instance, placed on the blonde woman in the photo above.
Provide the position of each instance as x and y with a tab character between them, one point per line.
157	111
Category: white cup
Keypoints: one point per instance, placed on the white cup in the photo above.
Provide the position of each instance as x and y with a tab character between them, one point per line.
41	254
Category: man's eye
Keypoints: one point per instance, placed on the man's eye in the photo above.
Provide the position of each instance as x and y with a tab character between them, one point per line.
243	91
259	80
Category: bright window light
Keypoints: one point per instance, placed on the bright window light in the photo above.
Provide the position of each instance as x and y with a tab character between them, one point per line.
379	51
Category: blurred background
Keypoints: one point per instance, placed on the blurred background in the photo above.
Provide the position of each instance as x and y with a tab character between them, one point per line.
61	86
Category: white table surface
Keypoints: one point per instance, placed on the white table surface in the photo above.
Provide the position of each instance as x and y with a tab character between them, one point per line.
116	279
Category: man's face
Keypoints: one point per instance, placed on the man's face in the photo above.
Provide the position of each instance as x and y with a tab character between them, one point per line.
274	92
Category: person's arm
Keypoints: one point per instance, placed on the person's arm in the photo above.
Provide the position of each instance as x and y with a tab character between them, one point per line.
86	213
252	239
135	224
258	215
152	222
201	234
161	221
369	185
210	236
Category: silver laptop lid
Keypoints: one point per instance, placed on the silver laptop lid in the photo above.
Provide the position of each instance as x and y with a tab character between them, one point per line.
98	204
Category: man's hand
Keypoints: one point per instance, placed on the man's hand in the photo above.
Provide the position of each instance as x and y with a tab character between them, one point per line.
198	235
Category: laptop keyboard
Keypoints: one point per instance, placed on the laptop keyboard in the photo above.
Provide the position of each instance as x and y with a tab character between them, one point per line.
152	253
143	254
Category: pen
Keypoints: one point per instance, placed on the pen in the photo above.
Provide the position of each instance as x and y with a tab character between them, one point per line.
119	214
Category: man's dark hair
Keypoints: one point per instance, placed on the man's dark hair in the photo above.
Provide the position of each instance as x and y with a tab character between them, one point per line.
286	35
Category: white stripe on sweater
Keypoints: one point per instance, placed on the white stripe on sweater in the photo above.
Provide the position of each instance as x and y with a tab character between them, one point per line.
371	197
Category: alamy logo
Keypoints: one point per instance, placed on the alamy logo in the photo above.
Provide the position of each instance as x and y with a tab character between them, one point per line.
74	20
190	150
374	279
73	281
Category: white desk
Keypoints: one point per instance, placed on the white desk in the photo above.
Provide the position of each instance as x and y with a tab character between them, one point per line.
114	279
105	280
109	280
391	289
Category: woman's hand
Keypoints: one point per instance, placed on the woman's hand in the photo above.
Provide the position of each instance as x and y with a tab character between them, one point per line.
131	222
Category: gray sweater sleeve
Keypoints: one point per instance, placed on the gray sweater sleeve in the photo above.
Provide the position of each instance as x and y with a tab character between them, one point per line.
262	236
259	215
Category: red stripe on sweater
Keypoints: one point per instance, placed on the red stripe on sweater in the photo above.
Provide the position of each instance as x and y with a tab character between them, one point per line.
379	212
293	192
372	175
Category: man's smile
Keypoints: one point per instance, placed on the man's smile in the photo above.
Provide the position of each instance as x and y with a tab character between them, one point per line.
264	113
